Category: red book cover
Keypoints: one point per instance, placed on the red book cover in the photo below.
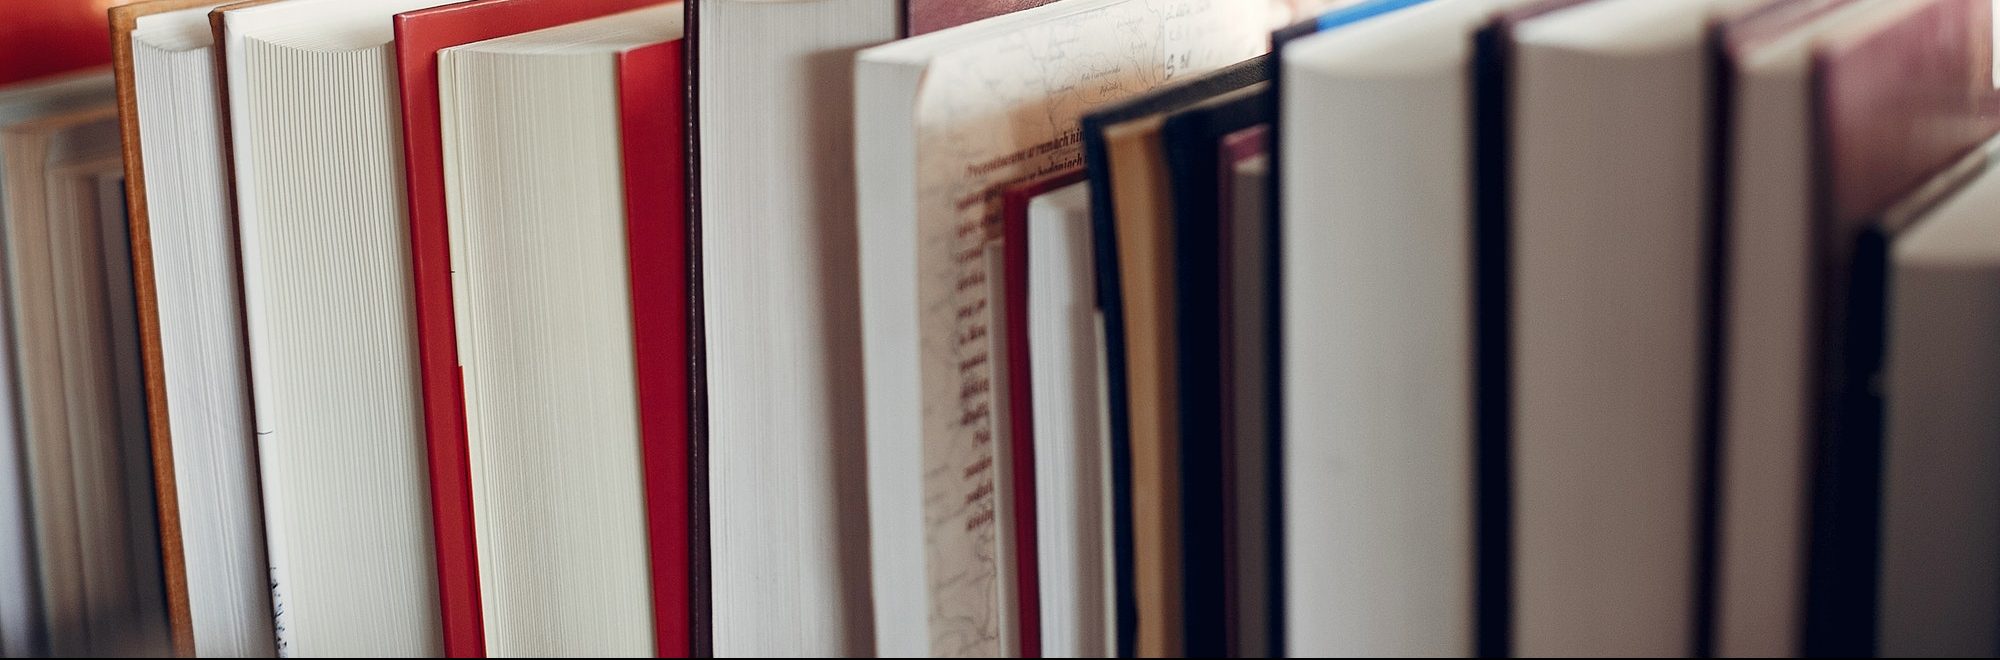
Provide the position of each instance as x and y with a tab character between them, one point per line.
652	119
419	36
1020	404
41	38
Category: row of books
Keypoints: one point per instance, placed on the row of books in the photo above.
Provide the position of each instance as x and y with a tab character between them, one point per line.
1095	328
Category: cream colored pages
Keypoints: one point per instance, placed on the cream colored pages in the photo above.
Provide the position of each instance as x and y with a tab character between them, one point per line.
537	212
202	356
321	217
993	109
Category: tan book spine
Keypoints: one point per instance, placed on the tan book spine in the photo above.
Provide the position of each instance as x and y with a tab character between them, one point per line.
1145	255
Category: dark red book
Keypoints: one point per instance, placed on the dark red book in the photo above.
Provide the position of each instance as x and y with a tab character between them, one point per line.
45	37
1020	401
934	15
419	36
1900	98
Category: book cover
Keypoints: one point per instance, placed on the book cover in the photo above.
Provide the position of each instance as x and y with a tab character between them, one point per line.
1899	98
651	120
419	36
123	19
1190	139
1111	302
1021	412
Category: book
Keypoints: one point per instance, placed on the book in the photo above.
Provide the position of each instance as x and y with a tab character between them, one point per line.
781	345
1392	245
420	35
773	215
1765	434
1128	188
324	242
1938	466
1190	139
1879	134
1252	552
1063	338
934	147
568	267
1023	455
80	397
1611	295
21	620
190	325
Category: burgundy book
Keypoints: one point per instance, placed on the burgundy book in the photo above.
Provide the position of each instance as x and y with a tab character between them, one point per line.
933	15
1020	405
1900	96
1240	232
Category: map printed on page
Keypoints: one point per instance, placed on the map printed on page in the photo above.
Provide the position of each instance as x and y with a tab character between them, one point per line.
992	114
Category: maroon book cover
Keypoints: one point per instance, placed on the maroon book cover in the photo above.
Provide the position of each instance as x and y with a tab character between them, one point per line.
1235	149
1020	405
933	15
1900	96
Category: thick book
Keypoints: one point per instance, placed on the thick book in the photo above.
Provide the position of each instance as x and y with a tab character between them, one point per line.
80	397
1394	318
1764	429
1611	294
569	283
1071	460
1024	488
778	346
323	234
935	146
20	609
1144	419
1191	141
190	321
1881	132
1941	385
419	36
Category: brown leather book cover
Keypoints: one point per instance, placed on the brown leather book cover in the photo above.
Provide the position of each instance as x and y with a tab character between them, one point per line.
123	20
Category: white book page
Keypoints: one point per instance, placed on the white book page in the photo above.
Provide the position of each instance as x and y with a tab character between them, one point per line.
991	114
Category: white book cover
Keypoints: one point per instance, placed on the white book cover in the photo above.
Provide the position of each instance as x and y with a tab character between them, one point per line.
1610	251
1379	330
1766	439
944	121
1939	582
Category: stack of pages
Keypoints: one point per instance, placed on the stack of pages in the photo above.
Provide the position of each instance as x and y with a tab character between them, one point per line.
1002	328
